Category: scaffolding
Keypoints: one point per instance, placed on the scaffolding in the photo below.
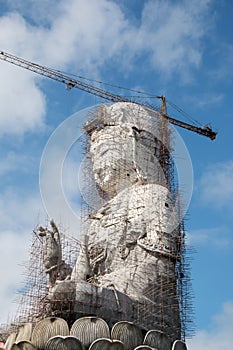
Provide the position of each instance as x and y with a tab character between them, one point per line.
138	263
32	297
171	293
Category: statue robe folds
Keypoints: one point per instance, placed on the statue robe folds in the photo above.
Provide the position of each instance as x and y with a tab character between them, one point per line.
126	267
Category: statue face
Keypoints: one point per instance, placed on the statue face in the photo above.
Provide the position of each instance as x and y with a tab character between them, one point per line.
124	150
112	154
120	159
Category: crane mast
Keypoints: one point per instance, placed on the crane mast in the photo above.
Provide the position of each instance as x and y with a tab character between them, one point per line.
106	95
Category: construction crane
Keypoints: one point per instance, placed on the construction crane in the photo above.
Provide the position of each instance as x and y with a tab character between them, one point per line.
106	95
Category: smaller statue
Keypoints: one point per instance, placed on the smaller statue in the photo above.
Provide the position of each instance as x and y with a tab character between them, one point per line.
56	268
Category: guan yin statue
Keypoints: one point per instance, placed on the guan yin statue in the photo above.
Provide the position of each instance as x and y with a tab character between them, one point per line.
127	266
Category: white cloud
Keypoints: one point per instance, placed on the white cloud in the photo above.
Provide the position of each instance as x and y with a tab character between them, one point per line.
219	237
22	105
40	15
81	35
217	185
205	99
87	33
173	34
219	335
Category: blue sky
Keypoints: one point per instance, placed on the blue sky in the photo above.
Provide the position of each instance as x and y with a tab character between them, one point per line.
182	49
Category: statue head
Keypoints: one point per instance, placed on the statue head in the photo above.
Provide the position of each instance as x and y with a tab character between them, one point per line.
124	147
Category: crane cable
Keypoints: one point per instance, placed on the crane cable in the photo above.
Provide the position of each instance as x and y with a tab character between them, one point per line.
181	111
146	94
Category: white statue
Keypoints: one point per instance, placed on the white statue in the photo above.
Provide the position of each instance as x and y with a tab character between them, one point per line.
132	242
127	261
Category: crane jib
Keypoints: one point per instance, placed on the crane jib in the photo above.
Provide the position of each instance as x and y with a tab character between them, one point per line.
106	95
205	131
